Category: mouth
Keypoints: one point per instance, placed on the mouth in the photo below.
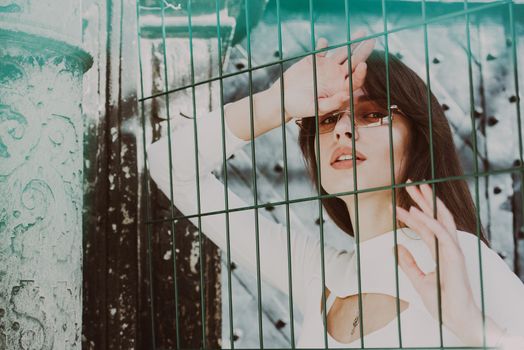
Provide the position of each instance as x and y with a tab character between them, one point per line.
342	158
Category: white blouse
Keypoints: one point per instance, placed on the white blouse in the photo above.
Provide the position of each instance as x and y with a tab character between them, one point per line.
503	290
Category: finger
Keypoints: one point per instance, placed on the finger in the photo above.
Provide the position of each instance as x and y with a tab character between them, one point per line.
447	219
328	104
423	196
444	216
359	77
417	196
436	227
409	266
362	52
357	35
427	193
322	43
340	55
414	223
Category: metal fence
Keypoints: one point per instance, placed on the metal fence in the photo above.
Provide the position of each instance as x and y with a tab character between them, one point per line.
193	59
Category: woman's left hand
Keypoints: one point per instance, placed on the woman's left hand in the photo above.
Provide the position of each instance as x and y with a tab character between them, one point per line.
459	310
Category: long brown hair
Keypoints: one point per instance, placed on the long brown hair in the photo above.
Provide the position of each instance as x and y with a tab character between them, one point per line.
409	93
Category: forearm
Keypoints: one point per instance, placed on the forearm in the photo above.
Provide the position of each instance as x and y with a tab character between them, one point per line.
266	114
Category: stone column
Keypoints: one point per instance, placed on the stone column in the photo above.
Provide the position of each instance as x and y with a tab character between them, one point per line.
41	173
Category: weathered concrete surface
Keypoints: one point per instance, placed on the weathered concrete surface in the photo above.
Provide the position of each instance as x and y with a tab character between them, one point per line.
41	70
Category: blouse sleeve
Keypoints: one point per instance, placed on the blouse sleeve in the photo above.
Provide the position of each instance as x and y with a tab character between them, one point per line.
503	293
502	289
273	241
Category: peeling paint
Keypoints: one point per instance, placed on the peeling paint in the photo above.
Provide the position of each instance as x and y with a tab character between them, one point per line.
194	256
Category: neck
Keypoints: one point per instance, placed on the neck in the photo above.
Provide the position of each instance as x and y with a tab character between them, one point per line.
374	214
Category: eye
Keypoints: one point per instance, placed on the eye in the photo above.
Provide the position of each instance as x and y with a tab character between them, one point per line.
372	117
375	115
329	119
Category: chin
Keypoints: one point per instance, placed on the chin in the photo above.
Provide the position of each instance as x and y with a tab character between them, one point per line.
340	188
362	185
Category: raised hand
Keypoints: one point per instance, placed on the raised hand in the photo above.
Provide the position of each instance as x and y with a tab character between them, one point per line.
332	79
458	306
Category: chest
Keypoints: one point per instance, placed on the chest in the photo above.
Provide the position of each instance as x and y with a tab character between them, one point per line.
381	327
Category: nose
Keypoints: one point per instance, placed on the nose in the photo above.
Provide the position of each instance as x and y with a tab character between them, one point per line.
343	128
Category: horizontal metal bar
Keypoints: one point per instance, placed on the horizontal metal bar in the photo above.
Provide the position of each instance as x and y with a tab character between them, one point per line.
332	195
375	35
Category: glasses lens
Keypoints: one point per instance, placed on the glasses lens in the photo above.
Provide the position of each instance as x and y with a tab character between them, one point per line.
370	114
367	114
327	122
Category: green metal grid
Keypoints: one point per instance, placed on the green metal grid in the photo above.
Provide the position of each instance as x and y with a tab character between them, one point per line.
256	206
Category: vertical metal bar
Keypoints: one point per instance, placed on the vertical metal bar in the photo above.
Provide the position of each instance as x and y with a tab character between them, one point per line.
356	231
253	159
146	181
319	175
432	161
173	244
476	174
224	162
286	187
199	208
392	161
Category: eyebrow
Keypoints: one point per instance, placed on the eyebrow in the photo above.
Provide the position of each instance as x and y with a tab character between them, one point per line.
359	99
363	98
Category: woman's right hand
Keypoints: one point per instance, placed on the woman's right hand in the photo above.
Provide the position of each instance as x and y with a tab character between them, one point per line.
332	79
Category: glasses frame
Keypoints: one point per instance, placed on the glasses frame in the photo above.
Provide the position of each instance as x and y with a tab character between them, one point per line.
393	109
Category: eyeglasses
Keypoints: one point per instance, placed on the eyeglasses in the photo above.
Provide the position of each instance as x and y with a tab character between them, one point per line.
366	115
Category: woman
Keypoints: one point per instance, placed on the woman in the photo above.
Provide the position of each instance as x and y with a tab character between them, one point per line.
416	300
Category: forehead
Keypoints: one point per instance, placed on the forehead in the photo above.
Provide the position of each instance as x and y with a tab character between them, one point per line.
362	100
360	97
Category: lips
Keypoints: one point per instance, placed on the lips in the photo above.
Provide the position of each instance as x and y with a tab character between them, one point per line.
345	151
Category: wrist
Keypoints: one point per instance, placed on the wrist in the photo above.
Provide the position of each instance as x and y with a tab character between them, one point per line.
471	330
277	96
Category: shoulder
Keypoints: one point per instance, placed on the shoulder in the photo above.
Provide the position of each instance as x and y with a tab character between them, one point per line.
493	281
470	244
493	266
469	238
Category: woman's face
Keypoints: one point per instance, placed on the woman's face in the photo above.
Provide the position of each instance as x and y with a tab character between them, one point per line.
372	149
